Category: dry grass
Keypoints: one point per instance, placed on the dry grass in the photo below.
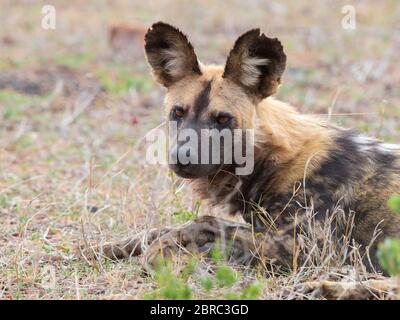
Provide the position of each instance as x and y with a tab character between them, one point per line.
73	115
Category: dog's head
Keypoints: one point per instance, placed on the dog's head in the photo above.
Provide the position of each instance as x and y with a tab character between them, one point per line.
212	99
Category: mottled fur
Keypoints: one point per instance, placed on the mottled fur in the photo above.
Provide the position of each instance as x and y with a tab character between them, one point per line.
301	162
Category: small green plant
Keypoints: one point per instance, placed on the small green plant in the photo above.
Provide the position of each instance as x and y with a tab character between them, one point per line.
224	283
4	201
171	286
389	256
394	203
253	291
226	277
389	249
183	215
207	283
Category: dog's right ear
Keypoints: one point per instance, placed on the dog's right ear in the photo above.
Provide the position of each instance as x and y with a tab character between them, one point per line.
170	54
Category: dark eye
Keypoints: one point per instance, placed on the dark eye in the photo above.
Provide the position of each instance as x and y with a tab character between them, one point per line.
178	112
224	119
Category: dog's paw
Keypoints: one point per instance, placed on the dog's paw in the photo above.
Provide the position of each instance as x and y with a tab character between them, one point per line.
114	250
166	248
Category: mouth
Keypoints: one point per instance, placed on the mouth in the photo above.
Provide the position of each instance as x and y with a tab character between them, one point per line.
192	172
183	174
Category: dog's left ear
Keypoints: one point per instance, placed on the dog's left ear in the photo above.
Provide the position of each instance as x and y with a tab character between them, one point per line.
256	63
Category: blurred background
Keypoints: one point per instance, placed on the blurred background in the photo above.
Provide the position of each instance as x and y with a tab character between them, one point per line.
77	100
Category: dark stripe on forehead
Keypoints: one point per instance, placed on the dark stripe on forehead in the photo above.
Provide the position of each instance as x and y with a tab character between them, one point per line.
202	100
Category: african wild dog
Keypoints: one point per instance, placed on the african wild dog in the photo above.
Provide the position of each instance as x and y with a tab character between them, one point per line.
300	161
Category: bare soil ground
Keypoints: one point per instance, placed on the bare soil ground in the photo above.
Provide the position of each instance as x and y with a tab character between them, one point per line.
75	106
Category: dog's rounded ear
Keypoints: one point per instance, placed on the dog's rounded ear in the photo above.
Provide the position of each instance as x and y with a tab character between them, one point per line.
256	63
170	54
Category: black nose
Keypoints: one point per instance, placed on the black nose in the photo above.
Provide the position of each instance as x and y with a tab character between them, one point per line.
182	164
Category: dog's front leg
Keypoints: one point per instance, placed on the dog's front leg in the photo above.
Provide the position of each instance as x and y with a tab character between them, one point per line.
239	244
202	236
129	247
